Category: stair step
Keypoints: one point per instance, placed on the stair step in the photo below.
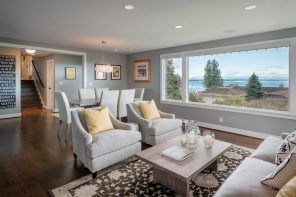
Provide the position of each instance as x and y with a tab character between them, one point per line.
29	94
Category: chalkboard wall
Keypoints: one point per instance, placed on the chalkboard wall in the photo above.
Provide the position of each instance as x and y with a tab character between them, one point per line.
7	81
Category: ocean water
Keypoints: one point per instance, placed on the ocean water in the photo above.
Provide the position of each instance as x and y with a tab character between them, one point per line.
197	85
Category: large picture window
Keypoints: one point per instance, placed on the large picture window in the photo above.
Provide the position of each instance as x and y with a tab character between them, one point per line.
255	79
251	78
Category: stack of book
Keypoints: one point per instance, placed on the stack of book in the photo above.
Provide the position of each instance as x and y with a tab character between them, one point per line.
177	153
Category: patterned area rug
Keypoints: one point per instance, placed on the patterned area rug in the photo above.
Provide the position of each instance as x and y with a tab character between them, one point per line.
135	178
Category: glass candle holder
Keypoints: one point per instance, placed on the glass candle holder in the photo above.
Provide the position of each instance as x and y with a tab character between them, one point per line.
184	139
191	139
208	138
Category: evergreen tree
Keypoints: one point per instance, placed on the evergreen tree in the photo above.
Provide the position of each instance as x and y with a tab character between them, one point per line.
212	77
254	88
173	82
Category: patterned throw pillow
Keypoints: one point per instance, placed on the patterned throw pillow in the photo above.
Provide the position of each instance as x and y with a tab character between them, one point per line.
282	173
285	148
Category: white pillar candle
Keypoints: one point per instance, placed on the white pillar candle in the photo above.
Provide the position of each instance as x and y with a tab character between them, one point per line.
208	140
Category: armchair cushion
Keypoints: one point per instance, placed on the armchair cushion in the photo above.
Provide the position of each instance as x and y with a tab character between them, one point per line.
98	120
161	126
112	140
149	110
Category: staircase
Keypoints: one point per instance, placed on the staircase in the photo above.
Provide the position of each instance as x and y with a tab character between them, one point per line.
29	94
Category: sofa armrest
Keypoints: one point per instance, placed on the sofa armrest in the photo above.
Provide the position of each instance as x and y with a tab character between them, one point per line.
120	125
166	115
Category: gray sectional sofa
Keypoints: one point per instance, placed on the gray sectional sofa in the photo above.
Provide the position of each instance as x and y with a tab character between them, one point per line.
245	181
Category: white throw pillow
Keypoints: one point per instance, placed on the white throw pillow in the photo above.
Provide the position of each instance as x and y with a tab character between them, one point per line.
285	148
282	173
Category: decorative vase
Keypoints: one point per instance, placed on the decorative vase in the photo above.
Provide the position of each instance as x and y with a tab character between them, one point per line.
193	134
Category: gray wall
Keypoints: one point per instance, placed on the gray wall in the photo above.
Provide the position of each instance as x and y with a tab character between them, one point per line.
17	54
236	120
94	57
70	87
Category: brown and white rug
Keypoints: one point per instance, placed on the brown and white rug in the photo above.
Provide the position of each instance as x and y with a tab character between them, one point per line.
135	178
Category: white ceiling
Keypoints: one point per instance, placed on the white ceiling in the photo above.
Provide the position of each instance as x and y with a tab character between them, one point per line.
84	23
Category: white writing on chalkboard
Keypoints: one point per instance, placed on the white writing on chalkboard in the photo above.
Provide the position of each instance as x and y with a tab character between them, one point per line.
7	82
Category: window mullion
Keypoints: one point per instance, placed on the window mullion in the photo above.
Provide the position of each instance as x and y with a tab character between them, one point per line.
292	78
184	78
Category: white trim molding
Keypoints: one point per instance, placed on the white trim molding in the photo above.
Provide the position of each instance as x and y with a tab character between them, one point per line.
253	134
290	114
15	115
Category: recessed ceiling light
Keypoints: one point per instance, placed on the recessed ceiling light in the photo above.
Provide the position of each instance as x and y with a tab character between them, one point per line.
250	7
178	26
30	51
129	7
229	31
116	50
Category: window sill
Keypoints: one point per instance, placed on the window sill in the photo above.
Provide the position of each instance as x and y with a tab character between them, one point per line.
241	110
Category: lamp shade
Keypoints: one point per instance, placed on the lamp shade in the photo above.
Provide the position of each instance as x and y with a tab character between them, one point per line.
104	68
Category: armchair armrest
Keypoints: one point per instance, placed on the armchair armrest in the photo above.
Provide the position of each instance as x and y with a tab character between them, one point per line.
78	131
284	135
133	116
166	115
120	125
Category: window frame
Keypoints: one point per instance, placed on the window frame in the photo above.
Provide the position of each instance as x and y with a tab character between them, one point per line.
290	114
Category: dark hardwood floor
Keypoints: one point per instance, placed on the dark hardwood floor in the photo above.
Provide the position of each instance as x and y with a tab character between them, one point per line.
33	160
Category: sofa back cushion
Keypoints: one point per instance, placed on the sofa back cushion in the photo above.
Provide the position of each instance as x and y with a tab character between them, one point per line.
282	173
285	148
149	110
98	120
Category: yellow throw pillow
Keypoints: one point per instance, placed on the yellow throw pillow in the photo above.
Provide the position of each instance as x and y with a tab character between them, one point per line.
289	189
98	120
149	110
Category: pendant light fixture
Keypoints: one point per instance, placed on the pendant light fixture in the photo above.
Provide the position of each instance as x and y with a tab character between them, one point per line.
102	67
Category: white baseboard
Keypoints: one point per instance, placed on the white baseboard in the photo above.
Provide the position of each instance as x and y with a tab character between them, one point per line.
235	130
55	110
15	115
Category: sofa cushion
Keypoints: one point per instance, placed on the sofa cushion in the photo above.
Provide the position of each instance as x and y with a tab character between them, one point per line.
163	125
112	140
285	148
245	181
282	173
267	149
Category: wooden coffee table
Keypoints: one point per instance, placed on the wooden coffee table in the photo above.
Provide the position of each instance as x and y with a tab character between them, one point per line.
177	175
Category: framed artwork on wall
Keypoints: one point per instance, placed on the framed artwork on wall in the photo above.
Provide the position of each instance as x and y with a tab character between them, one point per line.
142	70
116	73
70	73
100	75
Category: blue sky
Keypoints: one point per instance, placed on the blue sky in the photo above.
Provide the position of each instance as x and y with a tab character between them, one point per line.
266	63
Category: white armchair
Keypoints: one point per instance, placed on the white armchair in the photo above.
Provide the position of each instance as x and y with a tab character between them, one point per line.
106	148
155	131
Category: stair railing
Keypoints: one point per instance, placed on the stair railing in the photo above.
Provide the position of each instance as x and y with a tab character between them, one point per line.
38	75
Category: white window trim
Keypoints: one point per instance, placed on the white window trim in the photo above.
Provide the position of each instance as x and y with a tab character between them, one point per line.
291	114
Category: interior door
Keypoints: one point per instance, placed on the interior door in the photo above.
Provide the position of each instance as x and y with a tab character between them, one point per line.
50	84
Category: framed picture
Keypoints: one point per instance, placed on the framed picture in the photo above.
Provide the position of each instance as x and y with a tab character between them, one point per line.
99	75
70	73
116	73
142	70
